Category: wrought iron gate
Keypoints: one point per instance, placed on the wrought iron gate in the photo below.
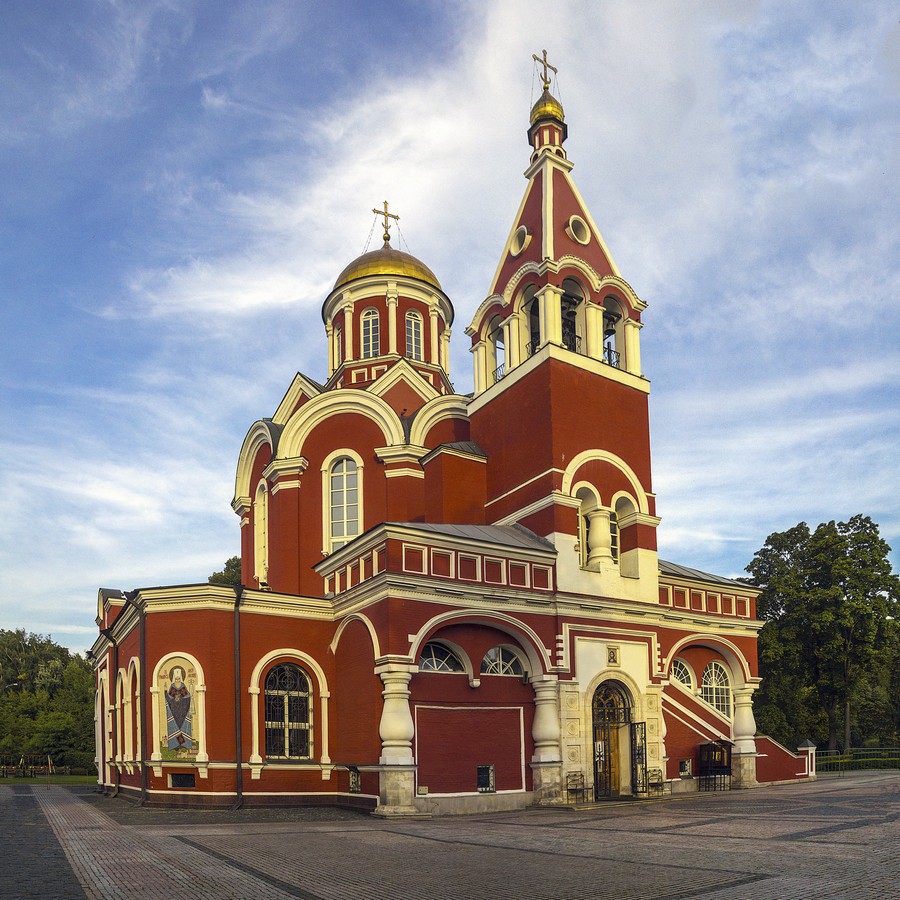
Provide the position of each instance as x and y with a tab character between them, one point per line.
638	757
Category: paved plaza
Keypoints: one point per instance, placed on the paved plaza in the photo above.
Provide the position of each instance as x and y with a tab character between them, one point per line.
837	837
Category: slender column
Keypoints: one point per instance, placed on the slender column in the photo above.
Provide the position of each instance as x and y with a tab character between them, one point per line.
329	339
154	714
255	757
599	539
744	722
513	340
445	350
202	755
551	315
435	347
127	752
480	353
392	319
348	332
396	727
632	346
593	326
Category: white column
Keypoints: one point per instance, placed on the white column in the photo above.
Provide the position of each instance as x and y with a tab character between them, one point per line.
329	339
445	350
632	346
435	346
545	728
599	539
348	332
551	314
513	340
593	326
396	727
154	715
479	351
392	318
202	755
744	728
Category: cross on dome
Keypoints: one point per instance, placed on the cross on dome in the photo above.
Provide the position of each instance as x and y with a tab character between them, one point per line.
543	62
387	224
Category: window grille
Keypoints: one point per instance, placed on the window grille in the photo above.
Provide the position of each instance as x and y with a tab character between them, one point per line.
681	672
716	688
502	661
485	779
288	725
371	345
438	658
413	335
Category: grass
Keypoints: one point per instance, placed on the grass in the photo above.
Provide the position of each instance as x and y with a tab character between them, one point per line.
52	779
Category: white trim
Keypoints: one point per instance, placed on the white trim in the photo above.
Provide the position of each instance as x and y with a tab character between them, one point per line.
587	456
327	463
202	758
356	617
518	487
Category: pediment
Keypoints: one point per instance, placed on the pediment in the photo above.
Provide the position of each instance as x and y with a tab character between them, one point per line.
301	390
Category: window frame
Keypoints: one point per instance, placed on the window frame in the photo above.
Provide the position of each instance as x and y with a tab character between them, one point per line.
415	347
507	660
689	684
286	724
370	334
330	541
717	693
446	653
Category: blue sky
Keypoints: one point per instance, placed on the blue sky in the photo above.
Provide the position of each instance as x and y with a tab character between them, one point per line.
182	182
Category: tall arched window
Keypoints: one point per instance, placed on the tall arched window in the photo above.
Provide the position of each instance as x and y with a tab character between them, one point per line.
413	335
613	340
371	344
343	490
338	345
438	658
288	718
497	342
715	688
261	534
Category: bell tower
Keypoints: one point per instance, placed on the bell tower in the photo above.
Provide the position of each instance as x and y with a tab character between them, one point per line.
561	401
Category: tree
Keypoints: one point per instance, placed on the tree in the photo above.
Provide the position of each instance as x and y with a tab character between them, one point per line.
829	601
230	574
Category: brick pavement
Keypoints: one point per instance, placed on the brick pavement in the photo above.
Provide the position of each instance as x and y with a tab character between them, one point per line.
836	838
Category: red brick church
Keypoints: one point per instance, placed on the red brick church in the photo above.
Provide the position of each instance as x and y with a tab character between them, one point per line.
450	603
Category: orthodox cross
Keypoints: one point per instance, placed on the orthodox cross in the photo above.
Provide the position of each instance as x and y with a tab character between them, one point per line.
543	62
387	224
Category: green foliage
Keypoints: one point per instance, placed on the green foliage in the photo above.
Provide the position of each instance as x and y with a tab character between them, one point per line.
46	699
231	574
829	603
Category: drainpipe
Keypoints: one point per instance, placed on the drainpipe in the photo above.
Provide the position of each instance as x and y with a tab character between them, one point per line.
238	746
142	710
107	633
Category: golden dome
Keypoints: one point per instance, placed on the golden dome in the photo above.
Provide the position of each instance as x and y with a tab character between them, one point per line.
547	107
387	261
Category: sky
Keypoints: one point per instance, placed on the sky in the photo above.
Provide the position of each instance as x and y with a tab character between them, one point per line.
181	183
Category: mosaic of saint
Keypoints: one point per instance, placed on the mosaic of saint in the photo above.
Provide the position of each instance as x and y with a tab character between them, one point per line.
177	684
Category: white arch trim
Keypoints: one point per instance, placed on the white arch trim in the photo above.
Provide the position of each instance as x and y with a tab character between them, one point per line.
254	691
356	617
323	407
260	434
737	663
134	686
326	494
449	406
538	657
202	757
587	456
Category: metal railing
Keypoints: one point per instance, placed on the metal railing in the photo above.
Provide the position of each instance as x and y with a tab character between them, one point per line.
611	357
858	758
499	372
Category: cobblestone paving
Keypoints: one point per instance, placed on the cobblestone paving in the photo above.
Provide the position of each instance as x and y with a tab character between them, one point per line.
836	838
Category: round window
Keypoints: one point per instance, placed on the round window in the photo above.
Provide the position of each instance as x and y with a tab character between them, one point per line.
520	240
578	230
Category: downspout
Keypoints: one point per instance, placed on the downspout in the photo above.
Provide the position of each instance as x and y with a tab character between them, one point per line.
238	722
142	656
107	633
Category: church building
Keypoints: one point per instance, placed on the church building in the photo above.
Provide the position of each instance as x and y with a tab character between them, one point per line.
450	603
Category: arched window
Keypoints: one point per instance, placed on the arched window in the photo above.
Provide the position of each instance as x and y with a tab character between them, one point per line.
715	688
531	305
572	309
502	661
288	718
343	480
589	503
681	672
413	335
495	337
614	536
338	345
261	534
371	344
438	658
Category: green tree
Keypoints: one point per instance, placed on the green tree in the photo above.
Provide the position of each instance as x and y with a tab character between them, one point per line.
828	599
231	574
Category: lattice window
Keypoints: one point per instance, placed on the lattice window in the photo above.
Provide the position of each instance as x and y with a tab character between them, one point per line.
715	688
438	658
614	535
501	661
681	672
288	718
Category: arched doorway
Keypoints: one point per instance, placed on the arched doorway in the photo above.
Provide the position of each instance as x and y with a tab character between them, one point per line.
620	744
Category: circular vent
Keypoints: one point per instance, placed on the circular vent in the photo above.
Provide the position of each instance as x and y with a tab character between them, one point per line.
577	229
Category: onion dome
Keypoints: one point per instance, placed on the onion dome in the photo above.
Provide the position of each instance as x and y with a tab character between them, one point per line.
547	107
387	261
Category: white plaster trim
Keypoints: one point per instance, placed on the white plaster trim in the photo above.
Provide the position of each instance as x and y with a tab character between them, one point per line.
555	498
523	484
201	760
299	386
356	617
448	406
587	456
737	663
